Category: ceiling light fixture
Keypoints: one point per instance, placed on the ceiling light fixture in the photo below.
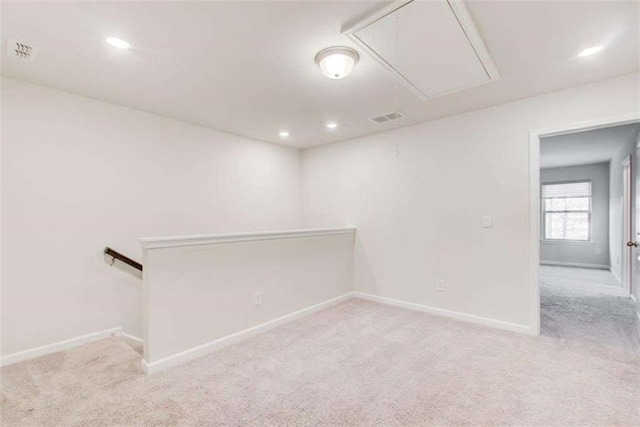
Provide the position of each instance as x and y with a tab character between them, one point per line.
332	125
337	62
119	43
283	134
591	51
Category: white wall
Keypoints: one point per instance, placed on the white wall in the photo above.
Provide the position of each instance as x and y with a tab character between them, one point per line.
195	295
616	242
594	253
79	175
419	215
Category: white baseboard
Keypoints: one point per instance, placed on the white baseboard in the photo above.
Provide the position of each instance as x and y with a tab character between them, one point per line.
132	338
611	269
58	346
220	343
575	264
448	313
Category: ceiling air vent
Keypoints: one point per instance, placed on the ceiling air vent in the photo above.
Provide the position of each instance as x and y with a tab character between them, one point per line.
394	115
21	50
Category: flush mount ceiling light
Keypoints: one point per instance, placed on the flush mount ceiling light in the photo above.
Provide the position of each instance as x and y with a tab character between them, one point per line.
337	62
591	51
332	125
119	43
283	134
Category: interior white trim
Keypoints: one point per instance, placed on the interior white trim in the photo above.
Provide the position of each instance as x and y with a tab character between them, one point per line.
566	242
132	338
208	239
469	27
615	275
534	228
228	340
627	223
534	194
576	264
485	321
58	346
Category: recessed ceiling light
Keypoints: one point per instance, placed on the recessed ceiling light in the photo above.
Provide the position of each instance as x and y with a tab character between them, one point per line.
332	125
283	134
591	50
337	62
119	43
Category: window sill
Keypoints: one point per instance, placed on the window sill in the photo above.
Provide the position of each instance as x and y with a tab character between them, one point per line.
567	242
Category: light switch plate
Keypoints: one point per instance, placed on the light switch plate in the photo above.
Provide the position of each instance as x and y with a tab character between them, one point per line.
487	221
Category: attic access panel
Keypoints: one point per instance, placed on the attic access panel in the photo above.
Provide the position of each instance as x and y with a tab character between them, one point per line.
431	46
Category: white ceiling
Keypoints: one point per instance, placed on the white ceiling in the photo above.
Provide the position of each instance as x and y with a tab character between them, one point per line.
248	67
583	148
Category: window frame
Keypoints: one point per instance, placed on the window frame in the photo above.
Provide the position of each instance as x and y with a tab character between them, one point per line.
543	212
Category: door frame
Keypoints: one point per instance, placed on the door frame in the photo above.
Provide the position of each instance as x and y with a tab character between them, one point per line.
627	222
534	194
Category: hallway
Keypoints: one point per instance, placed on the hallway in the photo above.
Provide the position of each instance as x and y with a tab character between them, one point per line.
589	306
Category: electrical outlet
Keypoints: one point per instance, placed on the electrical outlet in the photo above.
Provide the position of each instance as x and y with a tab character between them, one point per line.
257	298
440	285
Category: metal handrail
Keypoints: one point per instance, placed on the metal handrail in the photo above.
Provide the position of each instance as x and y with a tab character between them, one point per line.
118	256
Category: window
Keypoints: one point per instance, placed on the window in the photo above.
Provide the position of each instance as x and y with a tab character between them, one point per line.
566	211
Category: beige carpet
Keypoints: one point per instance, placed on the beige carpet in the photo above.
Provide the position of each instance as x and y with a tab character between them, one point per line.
359	363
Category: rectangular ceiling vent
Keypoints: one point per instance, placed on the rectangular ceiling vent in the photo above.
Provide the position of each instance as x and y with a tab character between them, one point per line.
432	47
21	50
389	117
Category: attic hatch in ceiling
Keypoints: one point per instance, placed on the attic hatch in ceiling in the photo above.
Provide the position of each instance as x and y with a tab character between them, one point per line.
432	47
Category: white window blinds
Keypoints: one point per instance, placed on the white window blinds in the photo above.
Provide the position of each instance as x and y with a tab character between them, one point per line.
566	190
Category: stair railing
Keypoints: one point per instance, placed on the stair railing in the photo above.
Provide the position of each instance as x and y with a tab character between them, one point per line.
115	255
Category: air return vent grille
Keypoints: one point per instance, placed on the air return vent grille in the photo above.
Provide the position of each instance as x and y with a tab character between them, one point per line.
21	50
394	115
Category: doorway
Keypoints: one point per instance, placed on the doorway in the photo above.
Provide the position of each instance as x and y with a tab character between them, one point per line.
585	237
536	211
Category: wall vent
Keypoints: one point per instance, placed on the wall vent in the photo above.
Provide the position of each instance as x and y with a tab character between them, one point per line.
21	50
394	115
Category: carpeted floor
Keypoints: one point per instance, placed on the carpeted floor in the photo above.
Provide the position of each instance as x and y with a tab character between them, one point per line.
359	363
588	305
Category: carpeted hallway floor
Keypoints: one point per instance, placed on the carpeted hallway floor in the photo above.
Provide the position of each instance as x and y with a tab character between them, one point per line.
587	305
359	363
